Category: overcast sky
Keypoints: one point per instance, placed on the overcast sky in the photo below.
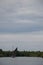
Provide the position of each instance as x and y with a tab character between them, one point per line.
21	24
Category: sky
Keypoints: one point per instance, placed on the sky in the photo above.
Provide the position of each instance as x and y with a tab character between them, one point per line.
21	25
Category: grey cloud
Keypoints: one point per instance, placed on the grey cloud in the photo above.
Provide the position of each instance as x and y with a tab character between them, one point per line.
41	1
32	17
13	11
9	13
31	46
19	28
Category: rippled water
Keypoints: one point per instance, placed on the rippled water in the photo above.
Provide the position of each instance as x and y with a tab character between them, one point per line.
21	61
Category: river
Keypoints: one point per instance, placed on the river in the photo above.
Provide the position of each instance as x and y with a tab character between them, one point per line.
21	61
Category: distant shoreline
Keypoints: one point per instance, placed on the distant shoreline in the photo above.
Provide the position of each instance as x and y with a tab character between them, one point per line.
16	53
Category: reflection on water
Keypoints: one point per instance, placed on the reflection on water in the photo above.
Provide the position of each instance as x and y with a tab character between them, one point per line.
21	61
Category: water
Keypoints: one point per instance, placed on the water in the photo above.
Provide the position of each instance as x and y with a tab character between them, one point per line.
21	61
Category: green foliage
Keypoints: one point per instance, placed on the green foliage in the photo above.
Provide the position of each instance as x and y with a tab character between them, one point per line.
20	53
1	55
0	51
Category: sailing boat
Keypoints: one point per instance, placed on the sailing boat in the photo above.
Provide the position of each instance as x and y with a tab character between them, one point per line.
14	53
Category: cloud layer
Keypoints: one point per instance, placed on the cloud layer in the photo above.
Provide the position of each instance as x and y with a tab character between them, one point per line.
27	12
23	19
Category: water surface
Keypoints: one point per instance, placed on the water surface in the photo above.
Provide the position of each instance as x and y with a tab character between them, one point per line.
21	61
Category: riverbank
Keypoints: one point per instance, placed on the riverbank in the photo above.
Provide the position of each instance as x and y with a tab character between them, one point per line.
16	53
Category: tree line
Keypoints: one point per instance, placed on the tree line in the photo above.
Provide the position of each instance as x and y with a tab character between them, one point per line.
17	53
